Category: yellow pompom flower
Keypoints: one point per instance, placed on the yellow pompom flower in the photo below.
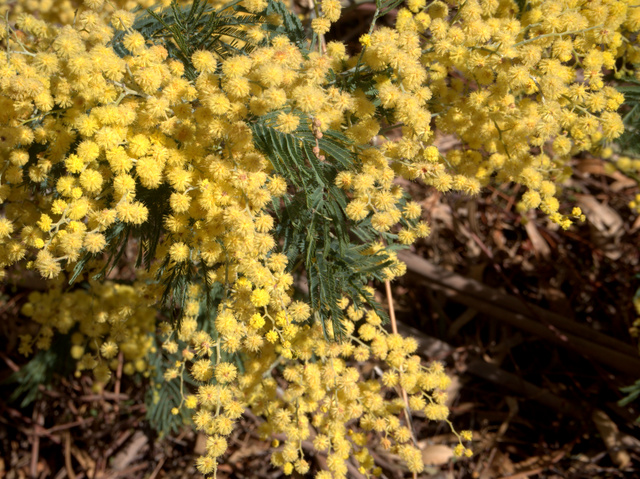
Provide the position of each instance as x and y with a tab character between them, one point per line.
331	10
202	370
255	6
287	122
260	298
204	61
6	228
257	321
225	372
179	252
271	336
46	265
216	446
135	212
94	242
109	349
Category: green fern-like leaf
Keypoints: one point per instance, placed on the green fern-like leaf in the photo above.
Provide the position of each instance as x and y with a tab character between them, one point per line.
40	371
199	26
629	141
162	396
312	223
291	24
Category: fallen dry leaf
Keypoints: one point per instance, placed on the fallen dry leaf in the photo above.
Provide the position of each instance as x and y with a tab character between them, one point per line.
201	444
611	438
437	454
500	465
621	182
591	165
606	225
540	246
130	452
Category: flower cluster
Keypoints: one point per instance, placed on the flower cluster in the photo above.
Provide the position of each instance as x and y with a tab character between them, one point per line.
317	395
105	149
64	11
107	320
522	92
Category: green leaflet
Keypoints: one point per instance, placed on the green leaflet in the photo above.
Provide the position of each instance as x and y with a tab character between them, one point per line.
291	24
39	371
185	30
160	400
629	141
312	223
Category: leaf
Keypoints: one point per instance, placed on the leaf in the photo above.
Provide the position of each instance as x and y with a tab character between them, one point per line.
437	455
182	30
611	437
629	141
313	226
386	7
162	398
40	370
291	24
632	391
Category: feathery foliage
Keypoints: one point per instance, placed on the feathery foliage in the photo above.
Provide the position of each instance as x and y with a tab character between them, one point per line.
312	222
40	371
184	30
629	141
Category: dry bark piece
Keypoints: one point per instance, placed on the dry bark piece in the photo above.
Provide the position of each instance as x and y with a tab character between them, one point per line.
606	225
436	455
611	438
539	244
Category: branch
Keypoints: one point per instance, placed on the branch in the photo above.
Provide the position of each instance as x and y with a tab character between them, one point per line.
534	319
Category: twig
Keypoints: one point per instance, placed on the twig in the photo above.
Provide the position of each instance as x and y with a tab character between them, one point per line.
13	366
514	290
157	468
394	328
129	471
116	387
514	382
526	316
38	420
105	395
556	34
67	456
492	373
63	427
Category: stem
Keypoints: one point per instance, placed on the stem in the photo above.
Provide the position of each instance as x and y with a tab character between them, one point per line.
394	328
559	34
376	16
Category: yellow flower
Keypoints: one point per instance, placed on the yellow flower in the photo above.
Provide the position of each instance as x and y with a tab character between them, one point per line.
204	61
94	242
257	321
287	122
260	298
216	446
271	336
46	265
179	252
134	42
202	370
225	372
135	213
109	349
321	25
